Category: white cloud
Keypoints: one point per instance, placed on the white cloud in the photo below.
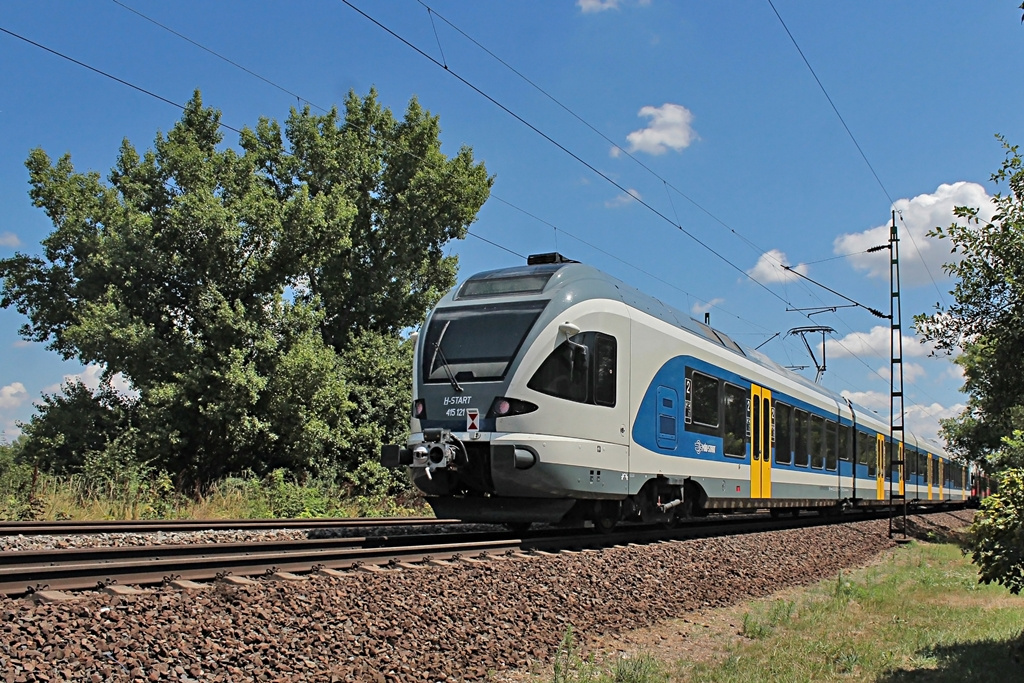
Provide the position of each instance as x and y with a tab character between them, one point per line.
919	215
875	401
911	372
704	306
769	268
21	343
669	129
9	239
875	343
920	421
626	197
588	6
956	372
12	395
923	421
9	431
90	377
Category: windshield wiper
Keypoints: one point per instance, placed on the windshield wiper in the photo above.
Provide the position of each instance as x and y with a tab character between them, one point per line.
439	352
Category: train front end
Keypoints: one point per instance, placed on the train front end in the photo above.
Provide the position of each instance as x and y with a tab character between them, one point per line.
469	389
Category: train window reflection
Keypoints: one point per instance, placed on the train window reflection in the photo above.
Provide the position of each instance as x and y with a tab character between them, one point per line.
802	425
735	442
817	442
783	434
831	461
704	400
580	369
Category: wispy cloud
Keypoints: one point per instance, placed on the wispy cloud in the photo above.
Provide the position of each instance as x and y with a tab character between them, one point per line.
589	6
911	372
90	377
769	268
921	421
9	239
875	344
702	307
670	128
626	197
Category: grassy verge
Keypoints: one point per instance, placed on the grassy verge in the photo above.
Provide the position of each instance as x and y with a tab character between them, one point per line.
248	497
918	616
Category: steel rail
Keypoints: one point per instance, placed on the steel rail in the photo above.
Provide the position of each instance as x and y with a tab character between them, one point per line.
75	527
82	568
23	579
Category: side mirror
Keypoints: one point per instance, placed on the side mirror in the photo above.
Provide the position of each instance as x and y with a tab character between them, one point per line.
568	329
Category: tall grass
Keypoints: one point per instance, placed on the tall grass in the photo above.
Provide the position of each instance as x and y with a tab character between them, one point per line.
139	494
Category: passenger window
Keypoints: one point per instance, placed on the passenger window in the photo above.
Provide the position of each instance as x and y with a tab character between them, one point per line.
844	443
783	434
866	451
580	369
817	442
703	399
735	441
802	425
831	460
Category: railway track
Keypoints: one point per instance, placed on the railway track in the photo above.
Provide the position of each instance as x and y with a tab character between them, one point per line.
23	572
75	527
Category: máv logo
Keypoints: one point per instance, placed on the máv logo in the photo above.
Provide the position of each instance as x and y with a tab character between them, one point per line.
702	447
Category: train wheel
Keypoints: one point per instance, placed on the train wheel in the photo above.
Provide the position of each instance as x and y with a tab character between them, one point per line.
606	516
517	527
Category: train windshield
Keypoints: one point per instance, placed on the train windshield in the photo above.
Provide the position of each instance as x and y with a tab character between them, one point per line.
476	343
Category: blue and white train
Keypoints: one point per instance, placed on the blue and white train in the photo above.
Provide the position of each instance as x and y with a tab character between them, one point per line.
555	393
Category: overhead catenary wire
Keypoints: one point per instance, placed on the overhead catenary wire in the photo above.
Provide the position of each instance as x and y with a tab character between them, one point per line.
179	106
856	144
431	14
618	148
764	253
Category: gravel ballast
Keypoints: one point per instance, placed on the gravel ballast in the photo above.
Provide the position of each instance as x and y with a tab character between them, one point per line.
436	623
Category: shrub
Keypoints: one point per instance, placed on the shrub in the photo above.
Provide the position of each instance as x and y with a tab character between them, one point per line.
996	539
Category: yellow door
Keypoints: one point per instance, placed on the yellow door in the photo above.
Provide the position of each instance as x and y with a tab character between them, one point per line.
880	468
901	469
761	433
929	476
942	480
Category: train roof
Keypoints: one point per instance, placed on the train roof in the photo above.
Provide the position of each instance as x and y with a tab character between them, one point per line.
545	273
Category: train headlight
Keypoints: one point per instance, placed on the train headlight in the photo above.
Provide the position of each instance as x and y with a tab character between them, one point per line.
503	406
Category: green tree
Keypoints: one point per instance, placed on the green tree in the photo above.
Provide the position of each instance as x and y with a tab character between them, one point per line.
986	319
226	284
73	425
996	537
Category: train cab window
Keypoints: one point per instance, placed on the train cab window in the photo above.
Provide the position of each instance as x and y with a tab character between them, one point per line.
783	434
702	402
735	422
580	369
801	425
845	445
831	459
605	349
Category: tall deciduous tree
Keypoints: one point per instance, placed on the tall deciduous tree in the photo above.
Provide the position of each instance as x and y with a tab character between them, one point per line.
226	284
986	319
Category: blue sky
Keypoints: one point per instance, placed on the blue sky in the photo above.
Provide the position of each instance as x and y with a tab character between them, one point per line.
722	132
